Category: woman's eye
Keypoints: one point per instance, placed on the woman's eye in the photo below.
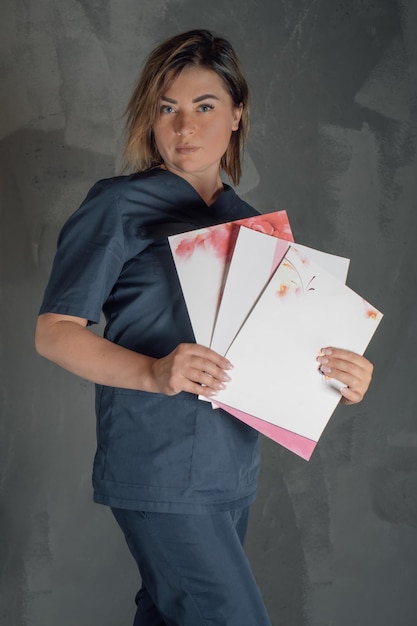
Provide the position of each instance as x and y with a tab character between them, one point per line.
206	107
167	108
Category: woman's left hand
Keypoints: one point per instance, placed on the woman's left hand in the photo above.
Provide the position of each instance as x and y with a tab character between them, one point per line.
352	369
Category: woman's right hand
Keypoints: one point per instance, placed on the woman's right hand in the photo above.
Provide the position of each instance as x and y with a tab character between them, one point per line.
192	368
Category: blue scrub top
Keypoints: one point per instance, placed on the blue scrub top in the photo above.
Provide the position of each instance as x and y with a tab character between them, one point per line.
154	452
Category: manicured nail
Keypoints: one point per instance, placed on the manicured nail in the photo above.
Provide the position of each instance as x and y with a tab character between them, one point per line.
326	351
325	370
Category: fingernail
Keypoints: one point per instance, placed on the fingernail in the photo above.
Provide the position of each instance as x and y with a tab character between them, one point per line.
323	360
326	350
325	370
225	377
228	366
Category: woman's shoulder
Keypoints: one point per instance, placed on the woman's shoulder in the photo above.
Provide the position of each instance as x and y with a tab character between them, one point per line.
118	194
119	184
128	200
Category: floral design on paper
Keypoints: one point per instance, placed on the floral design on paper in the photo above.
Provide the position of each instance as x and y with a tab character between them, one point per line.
274	224
220	240
370	312
215	240
304	260
291	282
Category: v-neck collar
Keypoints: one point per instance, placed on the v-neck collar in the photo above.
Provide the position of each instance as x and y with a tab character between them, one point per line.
223	202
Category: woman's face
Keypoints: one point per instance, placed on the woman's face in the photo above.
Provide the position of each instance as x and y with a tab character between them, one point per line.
194	125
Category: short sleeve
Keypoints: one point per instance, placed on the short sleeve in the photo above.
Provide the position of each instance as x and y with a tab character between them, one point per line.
89	257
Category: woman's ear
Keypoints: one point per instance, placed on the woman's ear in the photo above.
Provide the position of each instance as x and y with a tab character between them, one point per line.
237	114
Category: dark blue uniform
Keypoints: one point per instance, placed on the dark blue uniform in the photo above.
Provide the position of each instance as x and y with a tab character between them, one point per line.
155	453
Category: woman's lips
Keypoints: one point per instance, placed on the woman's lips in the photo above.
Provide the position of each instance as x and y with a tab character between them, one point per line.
187	149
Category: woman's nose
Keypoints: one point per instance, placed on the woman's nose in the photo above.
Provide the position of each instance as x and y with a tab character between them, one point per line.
184	124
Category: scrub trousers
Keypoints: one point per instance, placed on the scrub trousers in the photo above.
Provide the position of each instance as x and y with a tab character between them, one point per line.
193	567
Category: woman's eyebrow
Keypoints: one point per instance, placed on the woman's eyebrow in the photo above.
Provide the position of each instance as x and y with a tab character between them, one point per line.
205	96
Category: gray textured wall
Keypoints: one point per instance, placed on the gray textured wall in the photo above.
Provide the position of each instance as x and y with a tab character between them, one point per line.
334	541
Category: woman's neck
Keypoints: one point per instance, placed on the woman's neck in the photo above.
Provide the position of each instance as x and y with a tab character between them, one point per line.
208	187
208	192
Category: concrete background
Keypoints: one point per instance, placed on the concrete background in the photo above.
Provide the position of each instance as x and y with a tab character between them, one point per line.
334	98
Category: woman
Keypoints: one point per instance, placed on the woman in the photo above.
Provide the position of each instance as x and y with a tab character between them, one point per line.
178	476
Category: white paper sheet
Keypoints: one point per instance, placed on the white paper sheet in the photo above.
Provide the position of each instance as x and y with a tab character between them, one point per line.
255	258
202	258
302	309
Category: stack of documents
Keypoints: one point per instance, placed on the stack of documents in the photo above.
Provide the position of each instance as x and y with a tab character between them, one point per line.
269	305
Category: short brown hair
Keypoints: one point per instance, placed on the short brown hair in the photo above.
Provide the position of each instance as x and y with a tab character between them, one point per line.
195	48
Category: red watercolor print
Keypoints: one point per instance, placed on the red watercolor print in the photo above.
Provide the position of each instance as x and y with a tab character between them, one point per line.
275	224
220	240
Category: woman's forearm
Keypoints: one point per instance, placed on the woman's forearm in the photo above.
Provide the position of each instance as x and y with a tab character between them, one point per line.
67	341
